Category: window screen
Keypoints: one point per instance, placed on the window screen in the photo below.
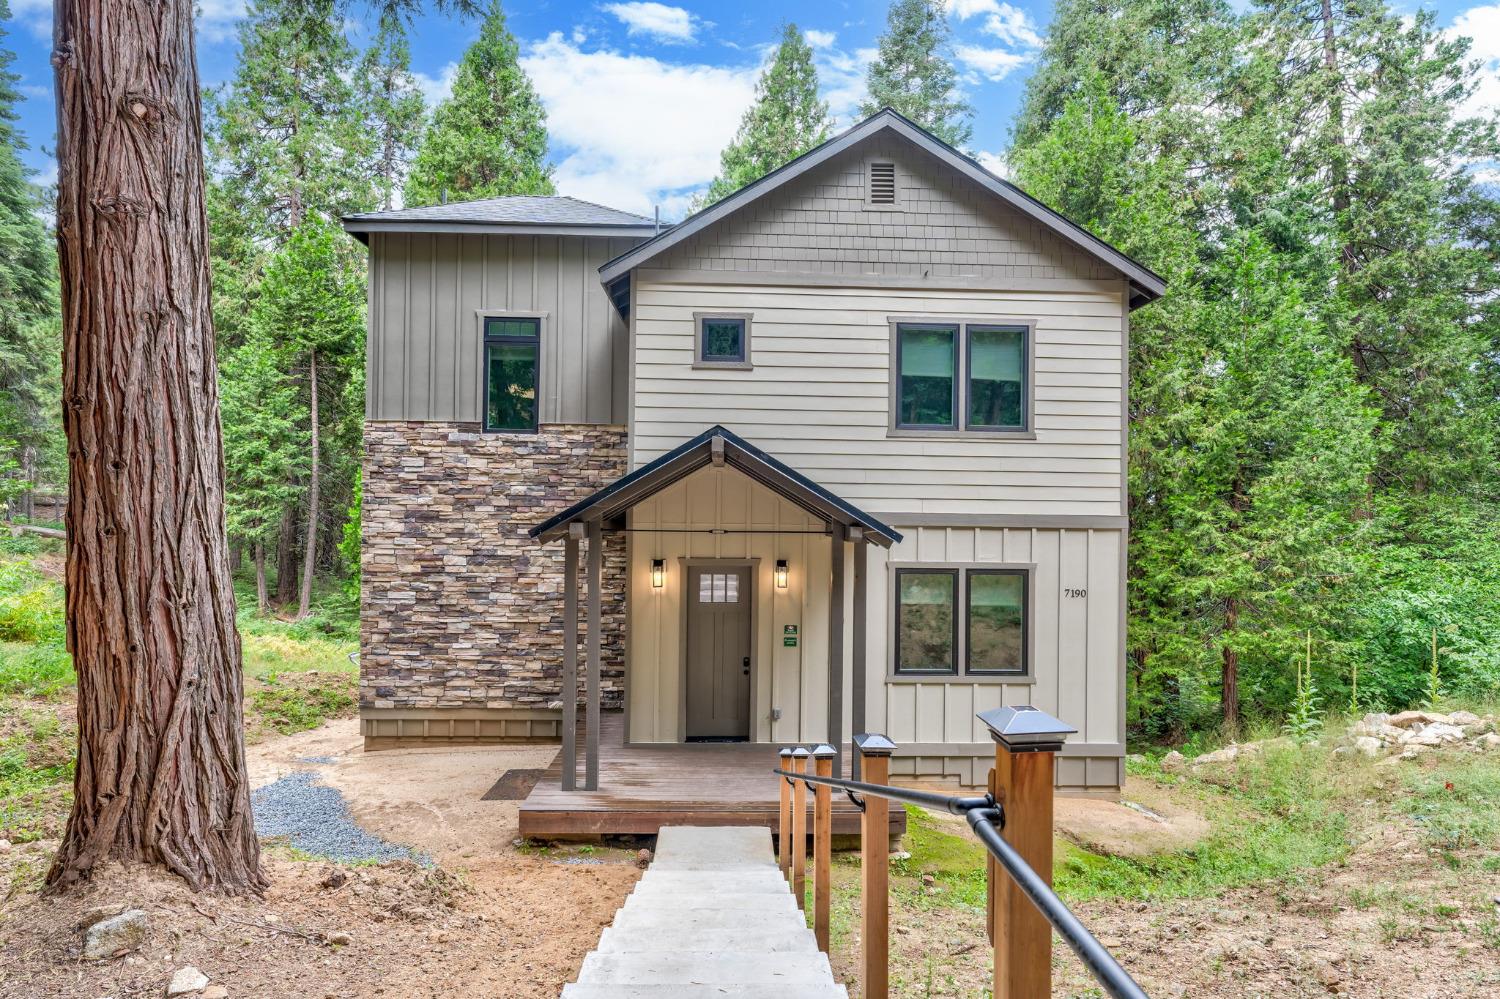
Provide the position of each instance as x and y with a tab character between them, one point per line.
927	363
926	621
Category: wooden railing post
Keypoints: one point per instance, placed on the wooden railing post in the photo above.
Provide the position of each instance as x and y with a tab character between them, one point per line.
823	757
874	753
784	821
1027	741
800	758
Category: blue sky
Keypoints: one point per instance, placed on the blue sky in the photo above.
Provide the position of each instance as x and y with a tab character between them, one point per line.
641	96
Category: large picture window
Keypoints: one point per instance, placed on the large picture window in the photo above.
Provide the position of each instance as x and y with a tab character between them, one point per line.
512	357
953	622
962	377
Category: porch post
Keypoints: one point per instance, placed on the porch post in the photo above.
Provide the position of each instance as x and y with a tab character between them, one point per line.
861	553
836	650
570	659
591	720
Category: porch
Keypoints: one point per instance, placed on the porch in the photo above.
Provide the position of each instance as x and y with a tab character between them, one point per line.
642	788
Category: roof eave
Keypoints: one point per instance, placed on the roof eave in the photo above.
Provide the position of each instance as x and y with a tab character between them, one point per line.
361	228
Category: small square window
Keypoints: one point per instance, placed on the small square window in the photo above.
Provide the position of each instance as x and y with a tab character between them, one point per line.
719	588
722	341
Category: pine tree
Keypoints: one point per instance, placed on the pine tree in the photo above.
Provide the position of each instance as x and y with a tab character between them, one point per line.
914	73
393	107
265	441
785	121
287	135
29	340
489	138
311	307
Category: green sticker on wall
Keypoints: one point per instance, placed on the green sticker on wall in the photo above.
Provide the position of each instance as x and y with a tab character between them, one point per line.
789	636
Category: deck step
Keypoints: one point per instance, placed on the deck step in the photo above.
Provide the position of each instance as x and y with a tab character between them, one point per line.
712	917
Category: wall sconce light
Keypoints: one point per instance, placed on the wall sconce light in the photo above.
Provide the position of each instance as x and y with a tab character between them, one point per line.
781	574
658	572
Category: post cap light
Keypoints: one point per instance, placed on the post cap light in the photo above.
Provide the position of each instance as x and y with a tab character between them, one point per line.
786	751
658	572
781	574
874	744
824	751
1025	729
801	752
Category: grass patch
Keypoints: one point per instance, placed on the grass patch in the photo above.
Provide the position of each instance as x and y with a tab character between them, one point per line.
295	704
1457	804
36	772
954	860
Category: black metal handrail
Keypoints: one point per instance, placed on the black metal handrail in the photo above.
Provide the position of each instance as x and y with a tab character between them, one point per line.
987	818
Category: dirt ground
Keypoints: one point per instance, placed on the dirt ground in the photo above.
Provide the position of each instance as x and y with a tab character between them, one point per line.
489	920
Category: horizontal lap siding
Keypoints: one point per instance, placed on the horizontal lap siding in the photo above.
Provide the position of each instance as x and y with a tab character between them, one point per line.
818	397
424	358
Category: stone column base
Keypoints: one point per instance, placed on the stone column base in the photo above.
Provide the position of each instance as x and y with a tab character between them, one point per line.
398	728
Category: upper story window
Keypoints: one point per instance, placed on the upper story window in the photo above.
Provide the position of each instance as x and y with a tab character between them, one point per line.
962	621
512	359
962	377
721	340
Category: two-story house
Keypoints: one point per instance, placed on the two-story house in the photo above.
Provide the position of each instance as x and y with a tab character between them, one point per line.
846	452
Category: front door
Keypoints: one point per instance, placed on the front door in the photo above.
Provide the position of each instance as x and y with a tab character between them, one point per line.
718	652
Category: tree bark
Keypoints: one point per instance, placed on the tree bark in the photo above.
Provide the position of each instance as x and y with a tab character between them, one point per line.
310	551
150	607
1229	671
286	556
262	599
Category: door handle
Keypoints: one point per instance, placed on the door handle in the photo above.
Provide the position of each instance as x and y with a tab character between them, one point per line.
746	666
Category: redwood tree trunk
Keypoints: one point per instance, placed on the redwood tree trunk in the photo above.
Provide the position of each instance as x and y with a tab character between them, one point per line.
310	554
150	609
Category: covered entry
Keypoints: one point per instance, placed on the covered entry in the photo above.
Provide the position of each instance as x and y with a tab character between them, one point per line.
711	618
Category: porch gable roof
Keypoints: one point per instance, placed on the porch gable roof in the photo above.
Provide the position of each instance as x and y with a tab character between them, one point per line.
715	446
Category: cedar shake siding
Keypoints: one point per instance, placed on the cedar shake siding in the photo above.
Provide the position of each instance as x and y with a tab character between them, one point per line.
461	634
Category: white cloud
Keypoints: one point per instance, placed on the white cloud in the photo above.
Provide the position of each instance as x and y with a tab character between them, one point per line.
844	79
655	139
1012	26
965	9
666	24
36	15
435	89
819	39
1482	26
995	163
993	64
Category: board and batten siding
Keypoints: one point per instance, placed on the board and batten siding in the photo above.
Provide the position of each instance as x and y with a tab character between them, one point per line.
426	290
819	394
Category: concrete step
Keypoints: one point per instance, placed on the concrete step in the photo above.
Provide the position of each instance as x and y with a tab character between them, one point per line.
777	939
712	848
764	901
705	968
682	923
704	992
719	883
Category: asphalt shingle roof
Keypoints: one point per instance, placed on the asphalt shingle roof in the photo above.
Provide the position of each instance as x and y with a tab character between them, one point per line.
540	210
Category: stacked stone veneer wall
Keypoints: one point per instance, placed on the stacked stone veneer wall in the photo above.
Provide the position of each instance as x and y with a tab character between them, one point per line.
461	616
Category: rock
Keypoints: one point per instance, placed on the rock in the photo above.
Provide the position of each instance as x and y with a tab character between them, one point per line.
929	880
1226	755
1173	761
1462	718
1406	719
1488	741
1329	976
1111	943
1375	720
96	913
335	878
1368	746
187	981
1436	734
4	846
216	992
341	938
644	857
116	935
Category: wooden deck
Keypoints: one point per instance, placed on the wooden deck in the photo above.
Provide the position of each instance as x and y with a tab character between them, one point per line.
642	788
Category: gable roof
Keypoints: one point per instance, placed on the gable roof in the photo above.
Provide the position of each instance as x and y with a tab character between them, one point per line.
1146	284
716	446
537	214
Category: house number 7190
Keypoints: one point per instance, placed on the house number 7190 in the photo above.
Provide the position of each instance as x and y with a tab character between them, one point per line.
1070	592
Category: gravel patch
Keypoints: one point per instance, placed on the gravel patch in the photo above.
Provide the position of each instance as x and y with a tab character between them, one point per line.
315	819
317	759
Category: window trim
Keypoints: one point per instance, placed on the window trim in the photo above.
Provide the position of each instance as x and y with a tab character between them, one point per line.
923	570
540	318
954	396
961	429
961	672
699	361
1025	575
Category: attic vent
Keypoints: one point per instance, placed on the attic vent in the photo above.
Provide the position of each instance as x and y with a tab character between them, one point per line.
882	183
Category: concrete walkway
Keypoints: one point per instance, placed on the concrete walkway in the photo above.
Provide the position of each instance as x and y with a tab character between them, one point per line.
712	917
